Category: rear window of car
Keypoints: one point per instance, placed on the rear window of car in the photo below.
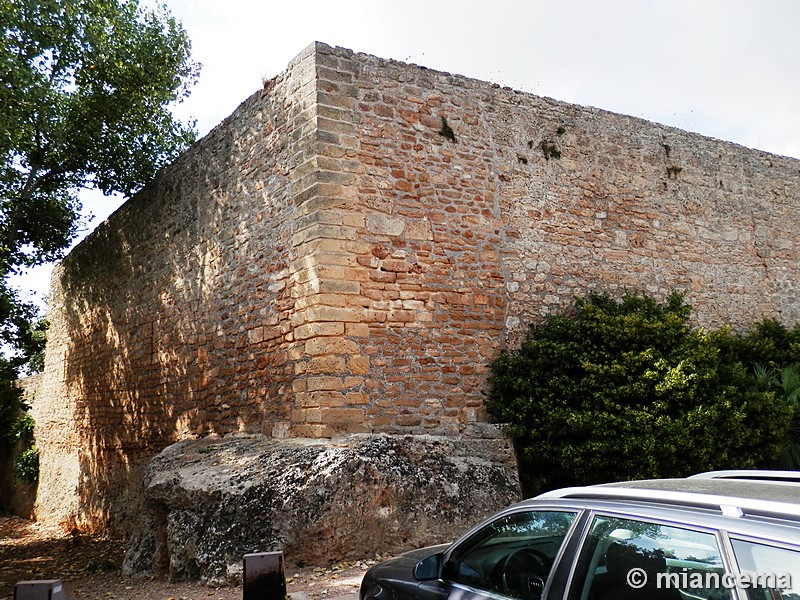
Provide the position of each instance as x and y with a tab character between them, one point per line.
775	571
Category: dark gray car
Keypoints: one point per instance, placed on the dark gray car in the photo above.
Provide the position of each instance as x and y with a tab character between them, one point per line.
714	536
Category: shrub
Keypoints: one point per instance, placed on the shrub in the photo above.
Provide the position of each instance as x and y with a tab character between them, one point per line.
22	428
26	466
626	389
769	344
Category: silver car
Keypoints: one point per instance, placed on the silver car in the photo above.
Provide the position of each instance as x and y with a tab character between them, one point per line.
713	536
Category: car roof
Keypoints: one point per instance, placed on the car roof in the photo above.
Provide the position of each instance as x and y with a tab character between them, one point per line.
733	492
757	502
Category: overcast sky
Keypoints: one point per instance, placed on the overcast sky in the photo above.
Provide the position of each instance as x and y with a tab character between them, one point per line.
723	68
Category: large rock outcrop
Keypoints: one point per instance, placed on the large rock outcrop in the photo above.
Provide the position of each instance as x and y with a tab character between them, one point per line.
210	501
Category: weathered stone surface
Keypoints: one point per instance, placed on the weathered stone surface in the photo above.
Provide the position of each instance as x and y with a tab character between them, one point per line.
213	500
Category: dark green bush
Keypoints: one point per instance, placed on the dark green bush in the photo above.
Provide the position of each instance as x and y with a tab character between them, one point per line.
769	344
26	465
626	389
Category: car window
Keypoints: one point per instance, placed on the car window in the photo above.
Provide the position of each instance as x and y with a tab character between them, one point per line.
638	560
512	556
776	571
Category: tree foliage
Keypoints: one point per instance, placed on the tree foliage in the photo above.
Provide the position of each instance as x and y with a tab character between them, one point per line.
85	94
23	331
85	88
787	383
628	389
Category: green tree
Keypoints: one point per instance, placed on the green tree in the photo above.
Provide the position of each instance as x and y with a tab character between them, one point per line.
85	94
627	389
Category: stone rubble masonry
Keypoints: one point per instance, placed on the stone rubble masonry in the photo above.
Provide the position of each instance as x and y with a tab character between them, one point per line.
327	261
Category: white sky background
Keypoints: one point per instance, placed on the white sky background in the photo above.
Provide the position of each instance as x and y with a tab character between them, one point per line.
728	69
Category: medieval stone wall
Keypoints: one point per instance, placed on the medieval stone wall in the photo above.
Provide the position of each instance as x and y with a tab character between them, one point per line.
170	320
438	249
350	249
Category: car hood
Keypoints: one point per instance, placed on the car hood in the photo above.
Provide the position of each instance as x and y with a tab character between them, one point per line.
420	553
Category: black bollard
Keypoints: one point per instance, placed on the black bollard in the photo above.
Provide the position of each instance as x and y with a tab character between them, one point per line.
42	589
264	578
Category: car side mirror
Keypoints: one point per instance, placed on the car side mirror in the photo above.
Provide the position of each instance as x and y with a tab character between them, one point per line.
429	568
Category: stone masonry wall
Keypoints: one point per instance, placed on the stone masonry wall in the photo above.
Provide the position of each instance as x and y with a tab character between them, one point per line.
171	320
437	250
351	248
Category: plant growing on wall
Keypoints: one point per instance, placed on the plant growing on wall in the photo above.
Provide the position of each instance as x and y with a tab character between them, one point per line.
85	89
626	389
550	150
446	131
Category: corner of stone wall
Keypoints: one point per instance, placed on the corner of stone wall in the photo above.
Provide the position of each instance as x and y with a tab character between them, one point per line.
328	319
374	249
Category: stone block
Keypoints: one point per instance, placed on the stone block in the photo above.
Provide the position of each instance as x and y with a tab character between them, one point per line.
330	345
357	398
418	230
337	417
329	286
351	498
356	329
385	225
325	365
329	313
327	400
315	384
358	365
256	335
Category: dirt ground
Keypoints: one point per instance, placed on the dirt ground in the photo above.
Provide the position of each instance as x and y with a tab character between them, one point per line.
89	569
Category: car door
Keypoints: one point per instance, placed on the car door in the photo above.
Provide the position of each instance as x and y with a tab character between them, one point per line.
511	557
636	559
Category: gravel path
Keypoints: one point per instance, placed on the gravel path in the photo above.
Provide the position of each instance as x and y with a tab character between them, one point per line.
89	569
